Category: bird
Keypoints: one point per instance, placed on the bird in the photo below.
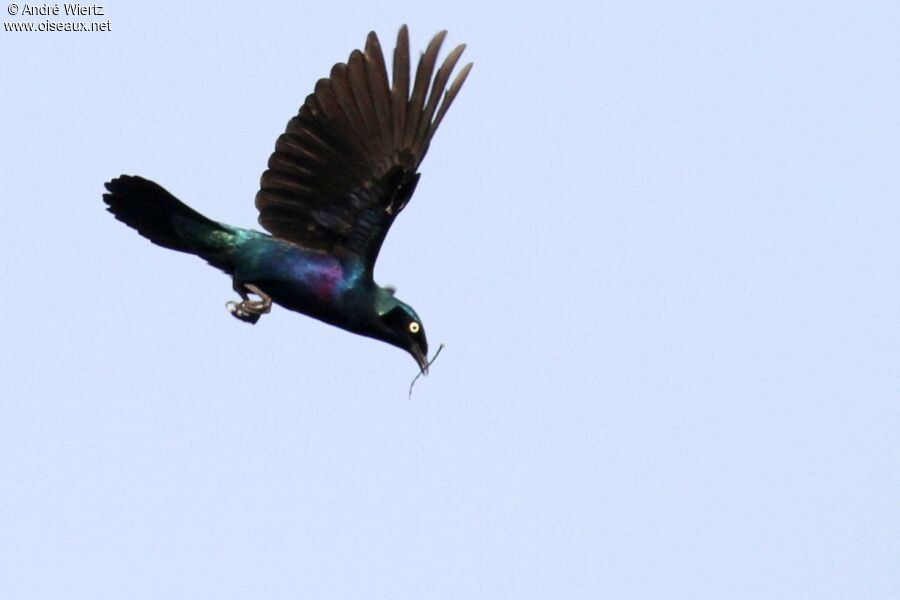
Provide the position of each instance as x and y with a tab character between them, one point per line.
342	171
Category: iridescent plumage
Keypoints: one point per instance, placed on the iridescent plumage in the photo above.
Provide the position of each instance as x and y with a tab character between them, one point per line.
342	171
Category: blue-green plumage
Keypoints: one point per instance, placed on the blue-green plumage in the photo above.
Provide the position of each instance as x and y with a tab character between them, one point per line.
312	282
342	171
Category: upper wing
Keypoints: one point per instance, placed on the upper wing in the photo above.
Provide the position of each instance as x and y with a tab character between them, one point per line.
346	165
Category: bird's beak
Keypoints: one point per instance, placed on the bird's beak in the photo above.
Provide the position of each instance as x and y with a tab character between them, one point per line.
421	358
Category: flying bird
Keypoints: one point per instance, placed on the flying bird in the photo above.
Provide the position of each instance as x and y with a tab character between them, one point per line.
345	167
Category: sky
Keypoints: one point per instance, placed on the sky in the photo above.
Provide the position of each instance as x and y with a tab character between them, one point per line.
659	240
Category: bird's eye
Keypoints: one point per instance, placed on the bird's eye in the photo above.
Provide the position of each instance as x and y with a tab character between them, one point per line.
414	327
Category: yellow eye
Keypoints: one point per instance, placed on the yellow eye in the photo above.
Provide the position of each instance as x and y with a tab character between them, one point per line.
414	327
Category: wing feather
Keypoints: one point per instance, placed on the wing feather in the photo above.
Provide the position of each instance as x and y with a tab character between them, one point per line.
440	82
347	163
420	89
449	96
400	91
377	78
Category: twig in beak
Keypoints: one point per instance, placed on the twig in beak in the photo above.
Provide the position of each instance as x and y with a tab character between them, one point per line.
422	372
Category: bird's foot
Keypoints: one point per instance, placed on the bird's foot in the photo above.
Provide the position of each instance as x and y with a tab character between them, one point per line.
238	311
247	310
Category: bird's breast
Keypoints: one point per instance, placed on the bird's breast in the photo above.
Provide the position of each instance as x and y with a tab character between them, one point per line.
314	283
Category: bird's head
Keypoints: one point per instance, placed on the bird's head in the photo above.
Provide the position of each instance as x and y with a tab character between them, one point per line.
400	326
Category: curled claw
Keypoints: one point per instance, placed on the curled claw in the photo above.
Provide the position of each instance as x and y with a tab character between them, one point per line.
249	310
237	311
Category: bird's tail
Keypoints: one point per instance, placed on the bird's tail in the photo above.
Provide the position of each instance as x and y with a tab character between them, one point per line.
166	221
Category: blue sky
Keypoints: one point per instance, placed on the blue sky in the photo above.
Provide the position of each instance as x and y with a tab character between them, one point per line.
659	240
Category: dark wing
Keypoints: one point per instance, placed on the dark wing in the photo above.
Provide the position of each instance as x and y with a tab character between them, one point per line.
347	163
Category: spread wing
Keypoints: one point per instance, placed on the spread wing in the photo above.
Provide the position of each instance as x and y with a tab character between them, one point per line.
347	163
